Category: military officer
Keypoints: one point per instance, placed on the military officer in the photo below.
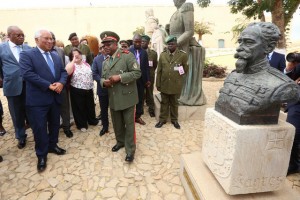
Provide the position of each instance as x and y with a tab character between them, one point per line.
152	58
119	74
172	66
86	52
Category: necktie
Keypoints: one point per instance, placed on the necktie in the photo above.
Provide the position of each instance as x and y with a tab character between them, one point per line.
137	56
110	60
50	63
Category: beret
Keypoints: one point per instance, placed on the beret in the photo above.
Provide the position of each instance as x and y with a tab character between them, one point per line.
146	37
171	38
72	35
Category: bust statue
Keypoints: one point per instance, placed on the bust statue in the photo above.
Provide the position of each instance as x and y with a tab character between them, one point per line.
253	93
158	40
182	26
151	22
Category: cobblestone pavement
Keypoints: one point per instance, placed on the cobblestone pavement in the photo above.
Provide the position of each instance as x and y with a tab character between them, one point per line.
90	170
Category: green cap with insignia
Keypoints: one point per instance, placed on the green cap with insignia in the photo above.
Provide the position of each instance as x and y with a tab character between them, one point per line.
109	36
171	38
146	37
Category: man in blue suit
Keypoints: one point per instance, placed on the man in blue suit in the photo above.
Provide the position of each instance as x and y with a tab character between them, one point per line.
277	60
13	83
142	58
101	92
45	78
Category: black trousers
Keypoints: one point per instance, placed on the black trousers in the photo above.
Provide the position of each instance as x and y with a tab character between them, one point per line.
83	107
140	106
104	103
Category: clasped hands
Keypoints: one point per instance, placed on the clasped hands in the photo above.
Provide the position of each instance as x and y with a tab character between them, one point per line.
56	87
111	80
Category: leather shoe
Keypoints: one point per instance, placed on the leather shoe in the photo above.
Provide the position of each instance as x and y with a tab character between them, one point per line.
129	157
159	124
152	114
1	159
57	150
117	148
2	132
21	143
42	164
103	131
176	125
140	121
68	133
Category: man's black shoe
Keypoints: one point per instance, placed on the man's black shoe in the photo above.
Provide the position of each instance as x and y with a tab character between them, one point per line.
57	150
103	131
176	125
129	157
1	159
117	148
42	164
152	114
68	133
159	124
21	143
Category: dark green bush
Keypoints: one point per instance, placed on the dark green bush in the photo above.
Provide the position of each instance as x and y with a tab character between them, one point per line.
213	70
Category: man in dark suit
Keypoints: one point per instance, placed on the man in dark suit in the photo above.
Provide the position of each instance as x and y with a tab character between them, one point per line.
13	83
141	57
292	70
65	106
101	92
45	78
277	60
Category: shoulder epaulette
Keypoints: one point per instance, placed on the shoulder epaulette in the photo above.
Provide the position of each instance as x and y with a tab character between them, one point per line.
187	7
182	51
278	74
125	51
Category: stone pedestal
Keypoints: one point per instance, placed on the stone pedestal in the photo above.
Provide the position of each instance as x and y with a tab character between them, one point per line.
184	112
200	183
246	158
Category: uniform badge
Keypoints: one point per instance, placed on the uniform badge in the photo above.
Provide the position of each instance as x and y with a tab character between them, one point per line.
118	55
135	66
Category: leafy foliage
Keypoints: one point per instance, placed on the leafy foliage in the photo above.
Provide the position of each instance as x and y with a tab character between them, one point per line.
202	28
2	35
140	30
213	70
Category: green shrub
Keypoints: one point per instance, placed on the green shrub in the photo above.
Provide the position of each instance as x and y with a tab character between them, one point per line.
213	70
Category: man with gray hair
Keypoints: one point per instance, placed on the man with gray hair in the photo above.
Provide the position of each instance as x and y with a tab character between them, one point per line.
45	77
253	93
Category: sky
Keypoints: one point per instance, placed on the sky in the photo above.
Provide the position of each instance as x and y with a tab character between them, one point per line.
11	4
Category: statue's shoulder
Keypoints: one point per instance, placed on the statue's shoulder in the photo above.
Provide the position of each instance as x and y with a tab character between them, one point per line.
278	74
187	7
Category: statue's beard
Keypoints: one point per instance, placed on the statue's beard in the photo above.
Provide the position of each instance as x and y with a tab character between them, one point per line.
242	61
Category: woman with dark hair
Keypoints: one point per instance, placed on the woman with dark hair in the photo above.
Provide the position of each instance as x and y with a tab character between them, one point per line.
81	91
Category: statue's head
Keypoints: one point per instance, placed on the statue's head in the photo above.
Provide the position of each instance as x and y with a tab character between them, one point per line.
178	3
149	12
255	42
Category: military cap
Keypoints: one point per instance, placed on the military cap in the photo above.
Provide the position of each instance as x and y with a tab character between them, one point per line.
171	38
108	36
72	35
146	37
124	41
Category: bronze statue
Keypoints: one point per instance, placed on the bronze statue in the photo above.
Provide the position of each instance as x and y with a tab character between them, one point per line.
182	26
253	93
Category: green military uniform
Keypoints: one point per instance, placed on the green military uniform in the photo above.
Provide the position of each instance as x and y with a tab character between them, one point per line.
169	82
152	57
123	96
84	49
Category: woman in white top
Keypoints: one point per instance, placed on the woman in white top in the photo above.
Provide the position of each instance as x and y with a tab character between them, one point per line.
81	91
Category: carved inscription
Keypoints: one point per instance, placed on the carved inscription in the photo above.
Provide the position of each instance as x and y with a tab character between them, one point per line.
256	184
218	147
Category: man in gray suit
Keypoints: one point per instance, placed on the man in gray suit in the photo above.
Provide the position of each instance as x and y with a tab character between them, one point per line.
13	83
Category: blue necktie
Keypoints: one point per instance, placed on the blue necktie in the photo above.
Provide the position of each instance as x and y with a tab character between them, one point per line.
50	63
137	56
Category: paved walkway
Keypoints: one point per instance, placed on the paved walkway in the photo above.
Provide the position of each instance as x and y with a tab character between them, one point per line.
90	170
